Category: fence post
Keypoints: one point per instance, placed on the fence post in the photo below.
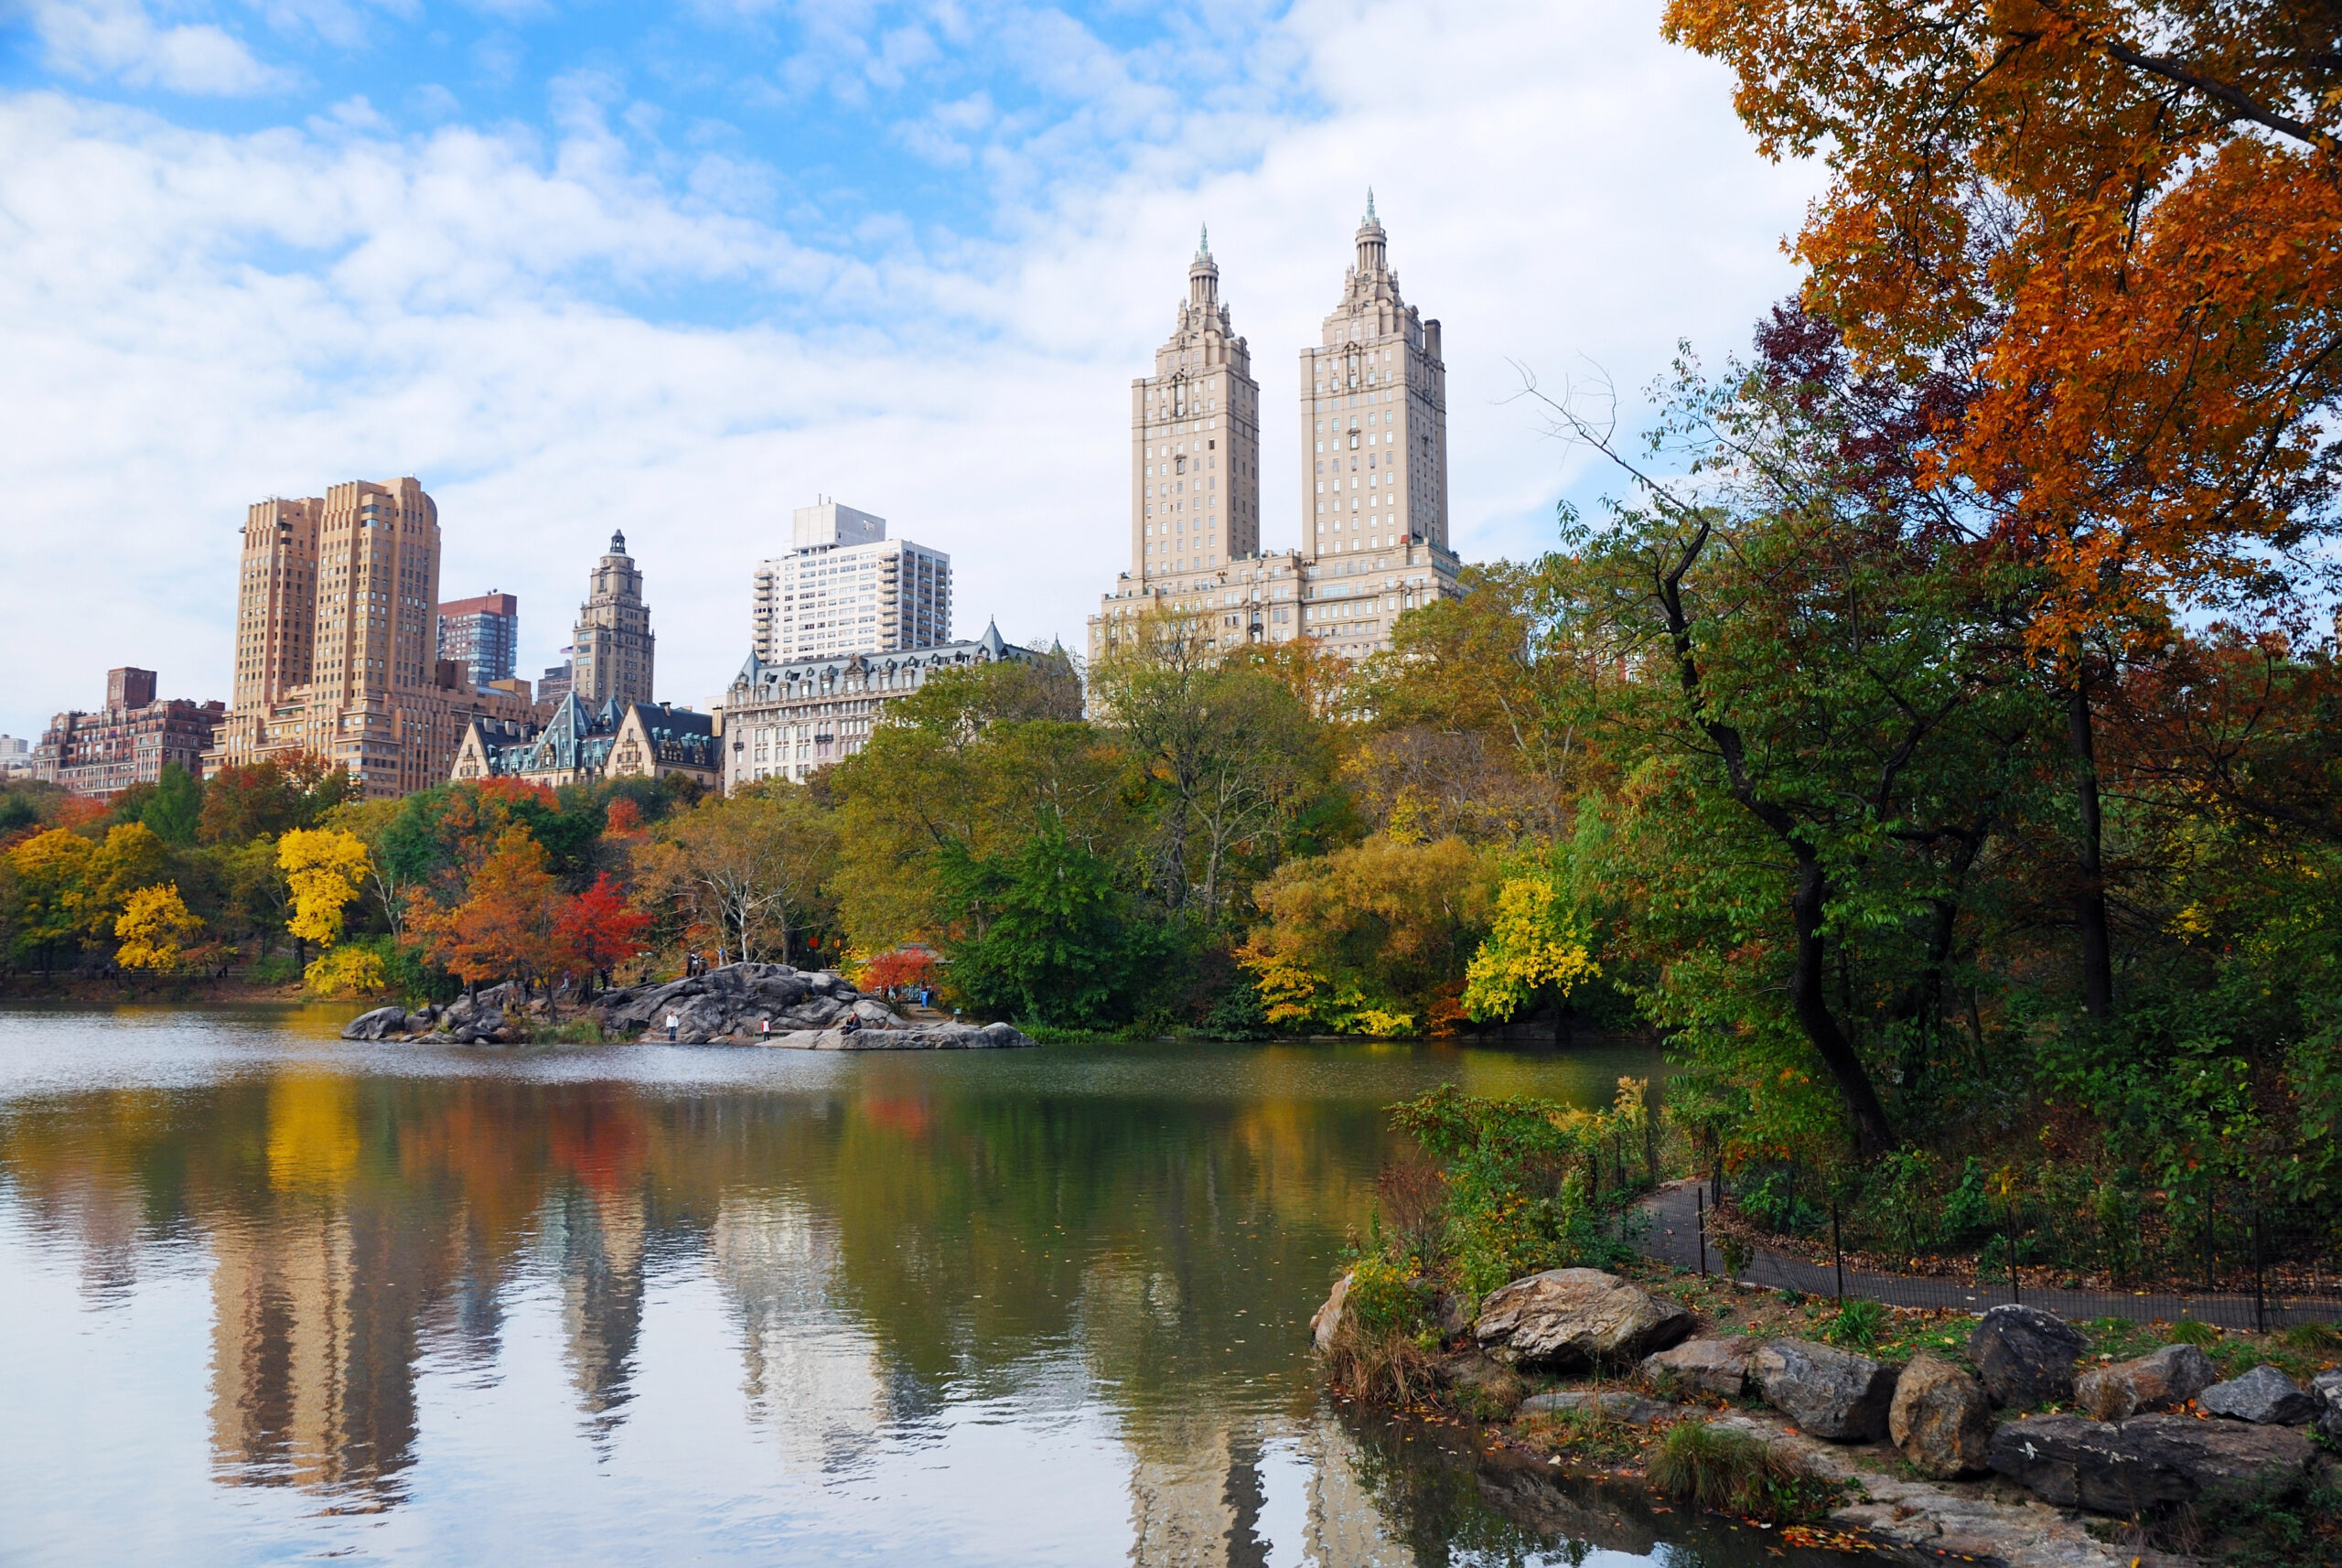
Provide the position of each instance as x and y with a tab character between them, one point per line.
1837	1252
2211	1221
2013	1295
2259	1286
1700	1207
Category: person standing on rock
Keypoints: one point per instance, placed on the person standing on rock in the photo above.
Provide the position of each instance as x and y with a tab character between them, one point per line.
763	1030
673	1023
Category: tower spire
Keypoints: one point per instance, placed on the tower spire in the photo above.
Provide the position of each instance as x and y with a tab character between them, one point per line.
1203	246
1370	204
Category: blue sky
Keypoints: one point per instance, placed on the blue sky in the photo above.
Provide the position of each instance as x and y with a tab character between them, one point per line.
680	269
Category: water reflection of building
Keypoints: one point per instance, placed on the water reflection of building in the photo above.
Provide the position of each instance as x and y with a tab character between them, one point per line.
313	1349
813	1377
600	1235
1201	1498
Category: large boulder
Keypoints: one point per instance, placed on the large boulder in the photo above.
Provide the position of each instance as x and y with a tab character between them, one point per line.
2148	1460
2224	1461
1327	1319
1829	1392
1566	1320
1939	1418
2027	1355
2157	1380
476	1020
2075	1462
377	1024
1717	1367
2264	1396
2326	1390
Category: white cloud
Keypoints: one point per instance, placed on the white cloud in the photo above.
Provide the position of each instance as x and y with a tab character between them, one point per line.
117	38
197	320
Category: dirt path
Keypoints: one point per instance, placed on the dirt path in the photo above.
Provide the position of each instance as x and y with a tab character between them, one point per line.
1674	1238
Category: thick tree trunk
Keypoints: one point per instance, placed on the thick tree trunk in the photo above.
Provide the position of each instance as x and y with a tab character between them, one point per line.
1809	907
2090	912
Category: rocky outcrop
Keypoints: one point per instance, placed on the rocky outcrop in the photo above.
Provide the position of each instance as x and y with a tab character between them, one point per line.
495	1016
1615	1403
2264	1396
740	1004
1567	1320
1718	1366
1831	1393
731	1006
2027	1355
1939	1418
2157	1380
2148	1461
2326	1390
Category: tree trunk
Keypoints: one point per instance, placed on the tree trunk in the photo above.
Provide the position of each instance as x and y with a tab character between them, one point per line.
2089	913
1873	1135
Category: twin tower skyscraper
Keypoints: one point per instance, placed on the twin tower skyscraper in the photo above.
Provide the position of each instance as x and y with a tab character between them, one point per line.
1373	407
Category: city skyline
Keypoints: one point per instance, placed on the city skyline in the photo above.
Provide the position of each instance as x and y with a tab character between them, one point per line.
582	289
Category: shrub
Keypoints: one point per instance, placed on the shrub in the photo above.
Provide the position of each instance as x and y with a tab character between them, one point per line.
2313	1337
1735	1472
2193	1331
1861	1323
1386	1297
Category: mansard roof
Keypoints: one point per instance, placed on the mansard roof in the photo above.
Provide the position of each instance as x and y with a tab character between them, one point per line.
579	739
758	672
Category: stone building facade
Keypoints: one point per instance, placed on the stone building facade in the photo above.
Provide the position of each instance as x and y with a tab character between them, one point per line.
337	641
580	746
1373	406
845	587
790	719
611	660
128	741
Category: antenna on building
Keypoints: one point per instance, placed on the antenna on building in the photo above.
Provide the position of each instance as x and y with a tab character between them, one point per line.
1370	204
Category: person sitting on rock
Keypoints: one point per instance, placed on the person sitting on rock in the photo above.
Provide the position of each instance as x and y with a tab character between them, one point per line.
851	1025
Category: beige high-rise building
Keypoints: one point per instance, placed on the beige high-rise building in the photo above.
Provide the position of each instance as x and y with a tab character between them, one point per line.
336	641
613	658
1374	475
1373	417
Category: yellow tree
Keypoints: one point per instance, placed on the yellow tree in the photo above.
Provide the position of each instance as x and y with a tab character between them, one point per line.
154	928
324	867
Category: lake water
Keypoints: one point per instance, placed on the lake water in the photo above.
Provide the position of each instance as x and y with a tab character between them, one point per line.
271	1296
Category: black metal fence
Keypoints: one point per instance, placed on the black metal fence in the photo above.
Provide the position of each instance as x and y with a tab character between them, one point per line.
2257	1275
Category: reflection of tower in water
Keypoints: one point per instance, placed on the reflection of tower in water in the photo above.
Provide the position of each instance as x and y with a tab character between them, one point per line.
812	1375
315	1298
313	1342
1199	1492
600	1236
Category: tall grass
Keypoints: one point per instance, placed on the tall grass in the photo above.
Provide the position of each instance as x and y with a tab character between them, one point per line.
1735	1472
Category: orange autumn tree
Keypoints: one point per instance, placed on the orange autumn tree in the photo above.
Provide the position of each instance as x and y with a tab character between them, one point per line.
509	926
2116	220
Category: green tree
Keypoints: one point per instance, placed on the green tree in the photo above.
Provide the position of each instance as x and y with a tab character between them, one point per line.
1058	943
1229	758
175	808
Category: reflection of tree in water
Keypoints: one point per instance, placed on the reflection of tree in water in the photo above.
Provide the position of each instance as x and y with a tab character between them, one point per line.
1447	1503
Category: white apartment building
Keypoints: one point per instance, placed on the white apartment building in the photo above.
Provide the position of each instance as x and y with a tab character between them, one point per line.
845	587
1373	405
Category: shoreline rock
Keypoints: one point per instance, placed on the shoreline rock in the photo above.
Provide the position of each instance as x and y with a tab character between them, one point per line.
1831	1393
2173	1375
2027	1355
728	1006
1571	1319
1939	1418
